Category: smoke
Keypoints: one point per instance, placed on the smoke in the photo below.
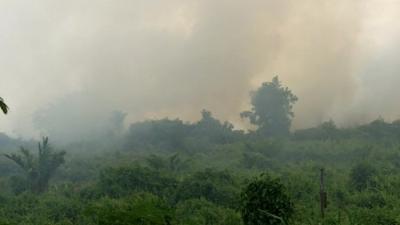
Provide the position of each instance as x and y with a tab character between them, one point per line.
153	59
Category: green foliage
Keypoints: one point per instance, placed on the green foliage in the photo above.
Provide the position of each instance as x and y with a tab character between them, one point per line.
40	169
212	130
203	212
138	209
18	184
174	163
271	108
258	153
218	187
375	217
29	208
362	176
125	180
255	161
325	131
265	201
369	200
175	135
178	173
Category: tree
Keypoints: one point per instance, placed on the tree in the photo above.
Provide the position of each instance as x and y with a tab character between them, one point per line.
265	201
212	130
38	169
3	106
271	110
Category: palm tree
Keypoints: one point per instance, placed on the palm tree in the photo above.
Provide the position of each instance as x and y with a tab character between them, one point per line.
3	106
38	169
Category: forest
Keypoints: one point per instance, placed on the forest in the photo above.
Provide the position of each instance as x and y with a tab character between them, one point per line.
172	172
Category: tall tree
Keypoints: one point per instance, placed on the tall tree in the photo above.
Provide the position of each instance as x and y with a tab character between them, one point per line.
271	110
38	169
3	106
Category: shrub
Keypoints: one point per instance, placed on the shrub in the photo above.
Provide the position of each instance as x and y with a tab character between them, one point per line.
203	212
140	209
215	186
361	176
265	201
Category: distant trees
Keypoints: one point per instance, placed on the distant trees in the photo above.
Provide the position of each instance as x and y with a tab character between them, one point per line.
38	169
162	134
176	135
265	201
325	131
3	106
271	108
212	130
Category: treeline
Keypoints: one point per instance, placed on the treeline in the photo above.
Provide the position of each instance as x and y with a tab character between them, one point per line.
176	135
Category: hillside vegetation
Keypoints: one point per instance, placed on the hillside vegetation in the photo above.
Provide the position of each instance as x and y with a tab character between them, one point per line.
171	172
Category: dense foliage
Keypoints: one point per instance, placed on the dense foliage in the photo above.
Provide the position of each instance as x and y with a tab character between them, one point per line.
213	181
271	108
38	170
170	172
265	201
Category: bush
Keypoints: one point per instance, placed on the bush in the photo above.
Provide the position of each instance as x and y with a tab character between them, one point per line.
265	201
140	209
361	176
203	212
215	186
121	181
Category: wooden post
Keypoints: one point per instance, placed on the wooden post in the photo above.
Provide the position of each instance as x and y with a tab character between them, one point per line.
322	194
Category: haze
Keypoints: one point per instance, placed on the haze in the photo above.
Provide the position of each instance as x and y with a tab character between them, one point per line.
77	61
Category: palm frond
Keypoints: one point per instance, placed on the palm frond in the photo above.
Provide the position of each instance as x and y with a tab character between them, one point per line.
3	106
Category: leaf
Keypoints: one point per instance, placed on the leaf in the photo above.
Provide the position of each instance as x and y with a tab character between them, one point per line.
3	106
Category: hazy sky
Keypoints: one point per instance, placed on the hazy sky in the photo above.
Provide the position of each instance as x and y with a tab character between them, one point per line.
75	61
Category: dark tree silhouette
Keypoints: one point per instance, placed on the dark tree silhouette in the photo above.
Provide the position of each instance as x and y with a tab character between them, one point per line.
271	108
38	169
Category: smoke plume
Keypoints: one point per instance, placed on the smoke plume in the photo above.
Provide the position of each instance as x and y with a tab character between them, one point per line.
79	60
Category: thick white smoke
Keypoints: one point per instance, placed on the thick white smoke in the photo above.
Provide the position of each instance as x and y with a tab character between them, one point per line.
173	58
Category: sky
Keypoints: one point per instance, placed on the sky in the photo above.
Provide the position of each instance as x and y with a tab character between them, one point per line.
66	65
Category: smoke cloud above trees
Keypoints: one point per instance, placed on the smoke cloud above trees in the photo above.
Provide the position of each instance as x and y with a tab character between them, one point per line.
81	60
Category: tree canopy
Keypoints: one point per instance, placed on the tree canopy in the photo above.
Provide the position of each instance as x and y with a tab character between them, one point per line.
271	110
